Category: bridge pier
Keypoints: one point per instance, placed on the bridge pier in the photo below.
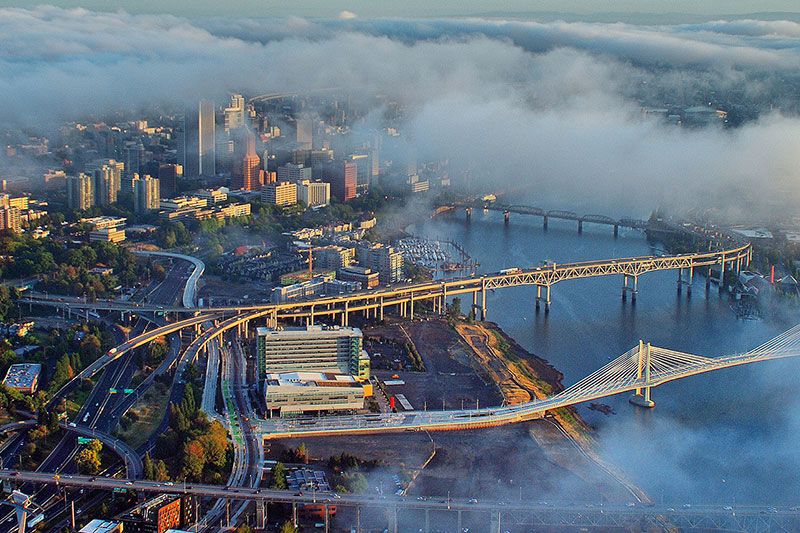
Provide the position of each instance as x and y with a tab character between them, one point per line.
633	289
580	226
639	399
393	520
544	223
506	217
427	526
483	300
494	523
411	306
468	211
545	299
380	306
616	231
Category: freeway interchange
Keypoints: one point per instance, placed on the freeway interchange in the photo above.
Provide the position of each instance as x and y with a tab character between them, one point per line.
101	411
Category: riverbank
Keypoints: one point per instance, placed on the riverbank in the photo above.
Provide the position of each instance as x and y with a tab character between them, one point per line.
520	375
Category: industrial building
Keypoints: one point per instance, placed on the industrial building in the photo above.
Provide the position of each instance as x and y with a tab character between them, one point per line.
24	377
296	393
316	348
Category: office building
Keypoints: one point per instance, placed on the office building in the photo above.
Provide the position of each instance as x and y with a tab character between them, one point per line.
168	179
199	141
342	177
146	194
297	393
311	349
214	196
23	377
314	193
234	114
292	172
363	171
80	192
279	193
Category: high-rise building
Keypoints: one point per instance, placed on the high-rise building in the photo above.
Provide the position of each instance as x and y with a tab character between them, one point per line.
146	194
363	171
342	177
199	141
280	193
80	192
251	165
246	171
387	261
107	175
235	113
10	218
310	349
314	193
168	179
133	158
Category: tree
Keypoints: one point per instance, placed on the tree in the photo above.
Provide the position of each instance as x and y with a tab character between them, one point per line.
52	423
147	466
278	476
43	417
88	459
194	460
454	309
288	527
160	471
244	528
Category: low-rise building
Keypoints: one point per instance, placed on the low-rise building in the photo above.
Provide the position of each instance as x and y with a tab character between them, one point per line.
293	393
363	276
105	222
159	514
102	526
115	235
183	202
23	377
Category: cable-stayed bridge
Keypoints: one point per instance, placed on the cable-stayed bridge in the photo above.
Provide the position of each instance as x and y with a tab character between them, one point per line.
639	370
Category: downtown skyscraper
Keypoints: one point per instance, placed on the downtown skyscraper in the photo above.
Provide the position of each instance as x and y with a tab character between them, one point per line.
199	138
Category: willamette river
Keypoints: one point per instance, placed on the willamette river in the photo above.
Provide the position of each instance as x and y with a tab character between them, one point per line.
729	436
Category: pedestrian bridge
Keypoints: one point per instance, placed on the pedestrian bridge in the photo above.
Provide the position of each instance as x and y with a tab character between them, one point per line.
637	370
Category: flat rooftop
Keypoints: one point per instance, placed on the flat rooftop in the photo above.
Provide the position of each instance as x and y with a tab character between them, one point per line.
315	331
311	379
22	375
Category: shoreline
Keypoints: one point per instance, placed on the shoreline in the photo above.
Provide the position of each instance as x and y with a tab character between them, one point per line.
513	369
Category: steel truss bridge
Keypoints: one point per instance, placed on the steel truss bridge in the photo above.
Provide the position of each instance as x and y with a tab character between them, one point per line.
403	297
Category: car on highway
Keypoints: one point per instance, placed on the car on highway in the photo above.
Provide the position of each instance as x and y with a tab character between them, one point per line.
169	483
473	500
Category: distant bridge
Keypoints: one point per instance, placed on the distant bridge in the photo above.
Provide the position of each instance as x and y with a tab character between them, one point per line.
547	214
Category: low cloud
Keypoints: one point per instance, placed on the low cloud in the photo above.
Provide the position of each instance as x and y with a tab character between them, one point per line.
551	107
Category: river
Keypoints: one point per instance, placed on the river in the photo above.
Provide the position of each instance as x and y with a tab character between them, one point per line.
728	437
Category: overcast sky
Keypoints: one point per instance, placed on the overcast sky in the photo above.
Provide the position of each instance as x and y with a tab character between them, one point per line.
414	8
